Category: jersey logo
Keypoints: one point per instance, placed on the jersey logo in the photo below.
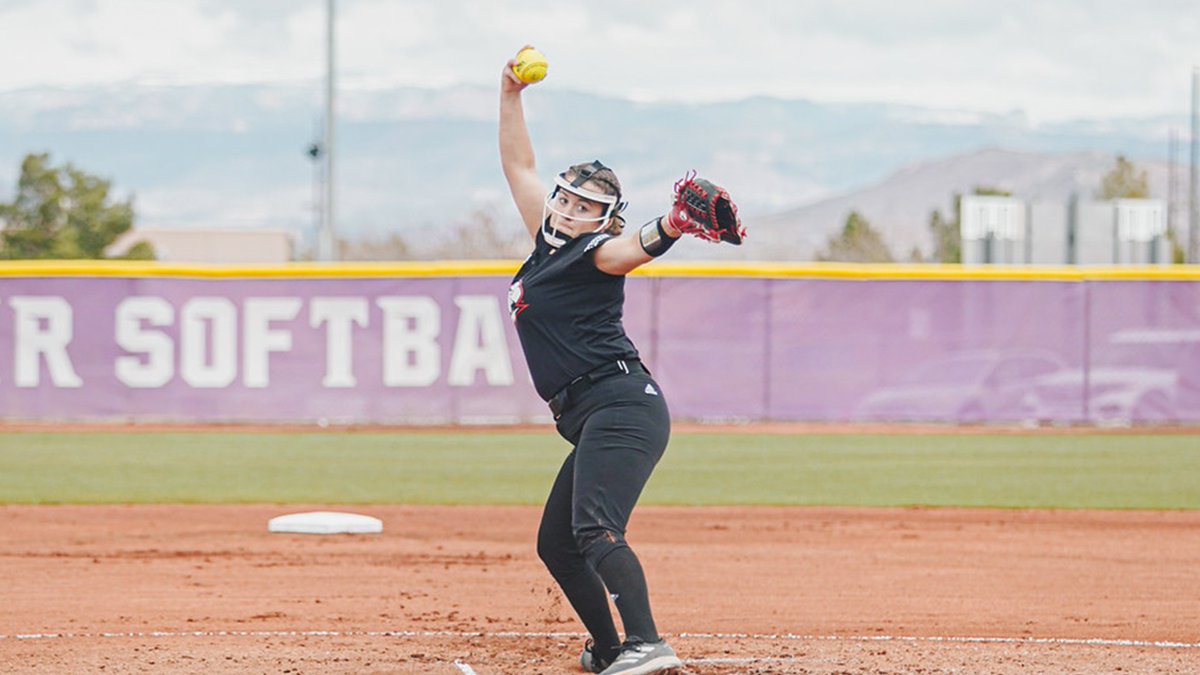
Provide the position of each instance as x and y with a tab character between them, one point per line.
651	390
516	296
599	239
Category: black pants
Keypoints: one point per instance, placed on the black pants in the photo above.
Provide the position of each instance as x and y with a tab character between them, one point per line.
619	427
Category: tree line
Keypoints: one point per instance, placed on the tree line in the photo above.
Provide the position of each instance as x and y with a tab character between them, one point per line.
65	213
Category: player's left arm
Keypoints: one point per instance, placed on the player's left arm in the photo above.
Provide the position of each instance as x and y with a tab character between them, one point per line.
700	208
621	255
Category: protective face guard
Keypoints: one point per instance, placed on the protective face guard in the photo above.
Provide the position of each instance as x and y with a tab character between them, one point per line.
612	204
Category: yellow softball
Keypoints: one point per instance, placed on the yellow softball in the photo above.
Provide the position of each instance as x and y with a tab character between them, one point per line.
531	65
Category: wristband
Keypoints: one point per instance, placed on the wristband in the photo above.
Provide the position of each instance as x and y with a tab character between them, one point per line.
655	240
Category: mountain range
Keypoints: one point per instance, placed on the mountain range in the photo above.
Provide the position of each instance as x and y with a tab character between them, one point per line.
418	162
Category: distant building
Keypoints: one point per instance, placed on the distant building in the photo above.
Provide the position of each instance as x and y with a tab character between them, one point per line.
221	246
1140	232
995	230
1006	230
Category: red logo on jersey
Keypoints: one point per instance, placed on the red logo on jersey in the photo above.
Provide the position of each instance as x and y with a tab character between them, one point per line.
516	294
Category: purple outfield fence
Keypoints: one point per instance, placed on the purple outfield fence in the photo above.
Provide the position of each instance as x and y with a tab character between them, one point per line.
744	344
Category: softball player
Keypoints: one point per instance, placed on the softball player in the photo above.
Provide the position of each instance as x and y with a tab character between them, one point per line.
566	301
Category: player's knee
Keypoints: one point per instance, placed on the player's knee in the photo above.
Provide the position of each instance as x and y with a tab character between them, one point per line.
596	543
559	555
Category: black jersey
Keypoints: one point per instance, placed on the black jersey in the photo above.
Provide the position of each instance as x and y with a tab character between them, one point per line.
567	313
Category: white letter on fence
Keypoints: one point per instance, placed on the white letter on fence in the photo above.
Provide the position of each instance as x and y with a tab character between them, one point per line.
338	314
479	343
260	340
194	365
32	344
411	356
159	365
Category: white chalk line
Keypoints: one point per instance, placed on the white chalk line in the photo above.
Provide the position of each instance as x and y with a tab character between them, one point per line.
464	668
785	637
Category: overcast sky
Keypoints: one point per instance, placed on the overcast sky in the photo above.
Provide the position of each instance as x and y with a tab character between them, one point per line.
1053	59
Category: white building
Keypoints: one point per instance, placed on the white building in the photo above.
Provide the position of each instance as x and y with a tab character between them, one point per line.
1007	230
220	246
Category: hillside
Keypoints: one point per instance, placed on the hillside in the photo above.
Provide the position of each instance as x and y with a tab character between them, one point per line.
900	205
418	161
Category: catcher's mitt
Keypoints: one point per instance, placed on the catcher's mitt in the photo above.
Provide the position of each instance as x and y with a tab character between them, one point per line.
706	211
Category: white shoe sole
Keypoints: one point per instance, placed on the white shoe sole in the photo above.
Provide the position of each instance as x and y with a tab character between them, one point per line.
655	666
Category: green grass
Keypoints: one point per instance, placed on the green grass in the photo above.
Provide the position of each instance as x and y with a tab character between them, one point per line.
1112	471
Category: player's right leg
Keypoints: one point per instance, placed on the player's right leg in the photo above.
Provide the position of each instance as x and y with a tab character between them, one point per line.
618	448
558	549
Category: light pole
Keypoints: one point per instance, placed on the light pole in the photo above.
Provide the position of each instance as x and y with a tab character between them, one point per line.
326	239
316	154
1193	249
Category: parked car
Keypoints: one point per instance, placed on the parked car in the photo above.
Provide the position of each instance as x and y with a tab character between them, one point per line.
1137	375
969	386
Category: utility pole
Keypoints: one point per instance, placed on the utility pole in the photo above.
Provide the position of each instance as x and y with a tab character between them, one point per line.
1172	182
326	238
1193	250
316	154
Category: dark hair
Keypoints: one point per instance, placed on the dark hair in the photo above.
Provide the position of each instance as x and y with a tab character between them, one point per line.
609	184
604	176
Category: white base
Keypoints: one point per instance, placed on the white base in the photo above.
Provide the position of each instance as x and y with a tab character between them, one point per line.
325	522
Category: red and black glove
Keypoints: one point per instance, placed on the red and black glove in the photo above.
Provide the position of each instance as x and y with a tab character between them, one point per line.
706	211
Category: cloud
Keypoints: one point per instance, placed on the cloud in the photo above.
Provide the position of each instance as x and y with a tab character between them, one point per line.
1054	60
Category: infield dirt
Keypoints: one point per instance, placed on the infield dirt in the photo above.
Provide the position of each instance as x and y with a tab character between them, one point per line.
206	589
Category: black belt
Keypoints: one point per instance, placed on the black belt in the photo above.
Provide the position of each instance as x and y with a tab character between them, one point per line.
565	396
